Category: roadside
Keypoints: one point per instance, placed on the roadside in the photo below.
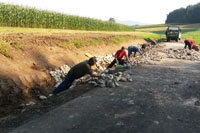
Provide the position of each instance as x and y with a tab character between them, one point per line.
154	88
161	98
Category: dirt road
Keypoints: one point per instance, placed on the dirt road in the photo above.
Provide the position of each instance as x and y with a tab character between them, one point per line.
161	99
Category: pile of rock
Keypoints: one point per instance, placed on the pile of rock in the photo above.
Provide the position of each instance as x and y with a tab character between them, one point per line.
149	57
103	61
183	54
60	73
111	79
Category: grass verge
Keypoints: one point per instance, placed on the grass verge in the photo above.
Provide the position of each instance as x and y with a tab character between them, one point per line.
4	48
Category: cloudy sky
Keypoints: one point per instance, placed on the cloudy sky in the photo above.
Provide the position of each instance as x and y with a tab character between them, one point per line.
145	11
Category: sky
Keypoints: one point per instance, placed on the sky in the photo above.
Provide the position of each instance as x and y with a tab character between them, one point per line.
144	11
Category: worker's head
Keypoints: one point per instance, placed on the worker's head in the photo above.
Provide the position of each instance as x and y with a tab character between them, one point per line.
92	61
123	48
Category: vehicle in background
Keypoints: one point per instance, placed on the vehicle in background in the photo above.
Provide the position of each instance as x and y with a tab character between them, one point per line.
173	33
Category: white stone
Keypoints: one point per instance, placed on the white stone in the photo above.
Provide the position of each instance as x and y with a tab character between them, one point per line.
43	97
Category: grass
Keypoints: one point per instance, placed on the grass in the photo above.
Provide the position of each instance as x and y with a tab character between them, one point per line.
193	35
17	45
114	40
79	43
150	26
191	31
117	38
89	42
149	35
4	48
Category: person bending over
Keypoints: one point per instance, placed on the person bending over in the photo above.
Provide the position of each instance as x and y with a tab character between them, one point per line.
146	45
133	49
76	72
189	43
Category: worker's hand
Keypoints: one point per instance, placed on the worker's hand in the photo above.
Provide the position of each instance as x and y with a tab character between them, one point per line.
94	74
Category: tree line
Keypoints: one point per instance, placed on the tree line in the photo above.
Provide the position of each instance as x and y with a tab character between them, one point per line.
190	14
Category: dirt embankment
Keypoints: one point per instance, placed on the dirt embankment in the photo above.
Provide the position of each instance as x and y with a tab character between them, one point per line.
26	72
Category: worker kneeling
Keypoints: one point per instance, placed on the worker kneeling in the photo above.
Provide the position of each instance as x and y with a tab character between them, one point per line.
118	57
76	72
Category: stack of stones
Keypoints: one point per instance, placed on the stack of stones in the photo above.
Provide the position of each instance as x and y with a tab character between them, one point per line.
102	61
111	79
149	57
60	73
183	54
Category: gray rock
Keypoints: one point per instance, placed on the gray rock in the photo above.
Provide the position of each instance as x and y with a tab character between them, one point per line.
110	83
30	103
197	103
123	79
50	95
101	83
116	84
22	106
110	76
42	97
127	66
130	79
118	78
93	83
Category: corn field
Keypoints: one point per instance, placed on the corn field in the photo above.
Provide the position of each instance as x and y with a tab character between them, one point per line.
17	16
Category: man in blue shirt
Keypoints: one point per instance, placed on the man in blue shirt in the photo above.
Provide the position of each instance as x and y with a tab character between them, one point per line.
133	49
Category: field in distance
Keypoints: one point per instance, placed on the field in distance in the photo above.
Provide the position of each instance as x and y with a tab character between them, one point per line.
191	31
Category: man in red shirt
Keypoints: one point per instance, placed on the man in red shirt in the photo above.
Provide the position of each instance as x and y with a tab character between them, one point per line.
189	43
118	57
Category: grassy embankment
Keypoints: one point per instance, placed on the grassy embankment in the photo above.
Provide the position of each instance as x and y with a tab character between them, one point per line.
188	31
118	37
13	18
